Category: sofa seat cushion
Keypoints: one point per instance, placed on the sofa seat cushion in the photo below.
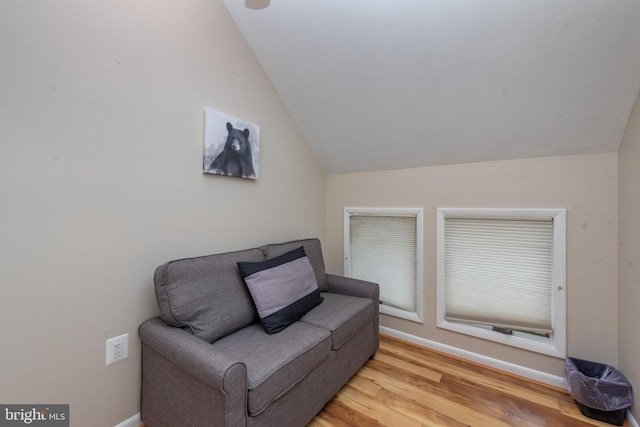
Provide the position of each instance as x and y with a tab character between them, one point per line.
342	315
275	363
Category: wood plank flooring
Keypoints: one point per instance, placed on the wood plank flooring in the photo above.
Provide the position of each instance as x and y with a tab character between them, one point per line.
409	386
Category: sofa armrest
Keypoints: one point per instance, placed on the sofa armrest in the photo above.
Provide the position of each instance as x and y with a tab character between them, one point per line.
353	287
359	288
186	351
174	359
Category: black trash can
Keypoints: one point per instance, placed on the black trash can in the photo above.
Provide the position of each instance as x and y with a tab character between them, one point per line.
600	391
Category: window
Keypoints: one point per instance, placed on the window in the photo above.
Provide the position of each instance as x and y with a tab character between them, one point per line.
384	245
501	276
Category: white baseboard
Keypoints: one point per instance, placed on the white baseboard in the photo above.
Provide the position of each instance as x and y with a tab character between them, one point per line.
632	421
522	371
134	421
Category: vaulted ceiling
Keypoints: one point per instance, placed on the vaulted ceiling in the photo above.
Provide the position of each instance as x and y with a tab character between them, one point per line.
392	84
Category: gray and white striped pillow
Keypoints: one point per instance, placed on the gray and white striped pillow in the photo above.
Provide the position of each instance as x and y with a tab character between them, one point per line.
283	288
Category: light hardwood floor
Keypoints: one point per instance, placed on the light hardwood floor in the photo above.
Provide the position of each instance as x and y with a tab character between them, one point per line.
409	386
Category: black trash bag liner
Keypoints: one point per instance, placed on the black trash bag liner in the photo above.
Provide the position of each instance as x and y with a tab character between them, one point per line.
597	385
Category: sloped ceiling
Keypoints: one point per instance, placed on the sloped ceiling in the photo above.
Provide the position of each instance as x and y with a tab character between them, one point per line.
392	84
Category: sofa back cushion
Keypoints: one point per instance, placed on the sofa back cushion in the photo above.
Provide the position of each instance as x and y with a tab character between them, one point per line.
206	295
313	250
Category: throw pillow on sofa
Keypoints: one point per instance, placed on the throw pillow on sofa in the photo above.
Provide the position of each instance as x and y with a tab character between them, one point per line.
283	288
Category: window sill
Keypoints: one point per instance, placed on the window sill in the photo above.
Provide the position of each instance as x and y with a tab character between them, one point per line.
547	346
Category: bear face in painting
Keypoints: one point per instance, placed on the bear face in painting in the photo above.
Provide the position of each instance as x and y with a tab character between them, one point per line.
235	158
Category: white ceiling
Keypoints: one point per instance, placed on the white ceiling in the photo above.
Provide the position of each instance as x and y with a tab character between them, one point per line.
391	84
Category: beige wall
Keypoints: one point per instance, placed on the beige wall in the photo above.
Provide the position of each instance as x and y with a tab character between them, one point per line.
101	134
584	185
629	252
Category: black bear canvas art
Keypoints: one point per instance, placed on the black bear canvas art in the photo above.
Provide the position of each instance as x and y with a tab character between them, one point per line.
235	158
231	146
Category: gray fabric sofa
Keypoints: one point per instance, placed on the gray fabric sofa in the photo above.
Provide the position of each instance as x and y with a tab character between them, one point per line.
208	361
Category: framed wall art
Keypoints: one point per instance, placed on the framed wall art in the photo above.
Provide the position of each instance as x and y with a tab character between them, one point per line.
231	146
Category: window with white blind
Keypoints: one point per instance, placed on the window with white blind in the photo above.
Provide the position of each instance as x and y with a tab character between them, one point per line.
384	245
501	276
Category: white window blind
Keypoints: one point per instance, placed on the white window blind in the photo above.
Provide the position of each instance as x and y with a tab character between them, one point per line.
499	272
383	250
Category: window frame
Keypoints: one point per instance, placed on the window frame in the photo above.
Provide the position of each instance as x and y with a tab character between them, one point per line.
418	213
555	345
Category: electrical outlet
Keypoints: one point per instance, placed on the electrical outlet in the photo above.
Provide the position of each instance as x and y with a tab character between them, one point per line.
117	349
